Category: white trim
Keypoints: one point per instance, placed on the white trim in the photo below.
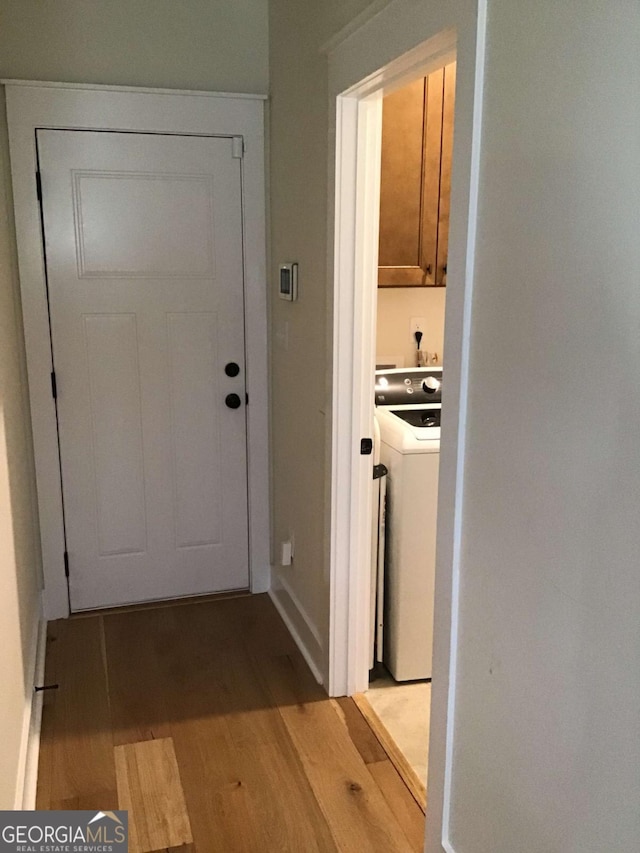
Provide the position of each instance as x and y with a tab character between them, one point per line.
274	595
357	171
27	776
357	194
30	106
418	62
102	87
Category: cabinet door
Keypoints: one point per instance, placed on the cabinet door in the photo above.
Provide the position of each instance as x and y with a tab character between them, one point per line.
400	257
445	172
415	181
432	147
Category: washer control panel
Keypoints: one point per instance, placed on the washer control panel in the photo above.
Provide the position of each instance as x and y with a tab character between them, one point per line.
404	386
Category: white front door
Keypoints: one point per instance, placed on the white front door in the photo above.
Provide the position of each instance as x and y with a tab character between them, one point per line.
143	239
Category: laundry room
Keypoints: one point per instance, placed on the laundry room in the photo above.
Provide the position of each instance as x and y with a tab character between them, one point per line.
416	155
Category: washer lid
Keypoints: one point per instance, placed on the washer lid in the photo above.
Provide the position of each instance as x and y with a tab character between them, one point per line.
402	436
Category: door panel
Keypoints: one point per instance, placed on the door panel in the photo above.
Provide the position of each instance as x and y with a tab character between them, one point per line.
113	379
401	176
143	237
131	226
195	433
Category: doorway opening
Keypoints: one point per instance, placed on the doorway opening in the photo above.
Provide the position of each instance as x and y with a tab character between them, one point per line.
357	303
415	189
96	125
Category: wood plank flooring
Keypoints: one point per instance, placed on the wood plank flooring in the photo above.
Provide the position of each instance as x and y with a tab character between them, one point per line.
203	720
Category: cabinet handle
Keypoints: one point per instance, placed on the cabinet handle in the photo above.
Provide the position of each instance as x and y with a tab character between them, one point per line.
428	269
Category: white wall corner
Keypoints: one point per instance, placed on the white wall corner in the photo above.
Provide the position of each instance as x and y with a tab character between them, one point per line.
27	777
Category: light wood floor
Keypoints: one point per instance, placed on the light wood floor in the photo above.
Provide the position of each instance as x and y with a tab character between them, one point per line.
205	723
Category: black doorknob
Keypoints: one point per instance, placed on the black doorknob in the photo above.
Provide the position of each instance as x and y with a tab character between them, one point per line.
232	369
233	401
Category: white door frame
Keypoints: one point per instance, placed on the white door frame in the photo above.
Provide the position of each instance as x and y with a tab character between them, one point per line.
356	92
358	138
32	105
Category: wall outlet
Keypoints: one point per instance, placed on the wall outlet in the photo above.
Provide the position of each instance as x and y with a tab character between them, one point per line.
287	553
418	324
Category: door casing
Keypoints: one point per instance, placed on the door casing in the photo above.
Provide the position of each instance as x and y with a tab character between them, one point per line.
395	45
33	105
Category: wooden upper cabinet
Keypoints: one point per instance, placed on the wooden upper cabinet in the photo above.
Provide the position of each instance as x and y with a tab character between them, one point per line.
401	185
417	144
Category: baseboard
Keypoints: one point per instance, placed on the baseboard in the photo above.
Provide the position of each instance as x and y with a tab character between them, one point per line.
27	777
307	621
276	596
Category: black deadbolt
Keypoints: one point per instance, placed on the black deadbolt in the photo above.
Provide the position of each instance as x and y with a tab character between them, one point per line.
233	401
231	369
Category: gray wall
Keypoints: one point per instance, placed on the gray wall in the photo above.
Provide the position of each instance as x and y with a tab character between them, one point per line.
181	44
199	44
548	730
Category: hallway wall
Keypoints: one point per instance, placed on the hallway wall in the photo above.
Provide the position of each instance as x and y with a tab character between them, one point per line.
214	46
300	389
547	723
547	749
19	538
301	343
155	43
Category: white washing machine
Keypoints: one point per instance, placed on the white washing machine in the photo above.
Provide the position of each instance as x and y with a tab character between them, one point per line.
408	404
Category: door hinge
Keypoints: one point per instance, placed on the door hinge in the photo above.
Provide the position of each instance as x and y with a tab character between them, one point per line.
366	446
39	185
66	564
54	385
380	471
238	147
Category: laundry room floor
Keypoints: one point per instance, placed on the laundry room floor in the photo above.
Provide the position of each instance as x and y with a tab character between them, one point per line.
404	711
